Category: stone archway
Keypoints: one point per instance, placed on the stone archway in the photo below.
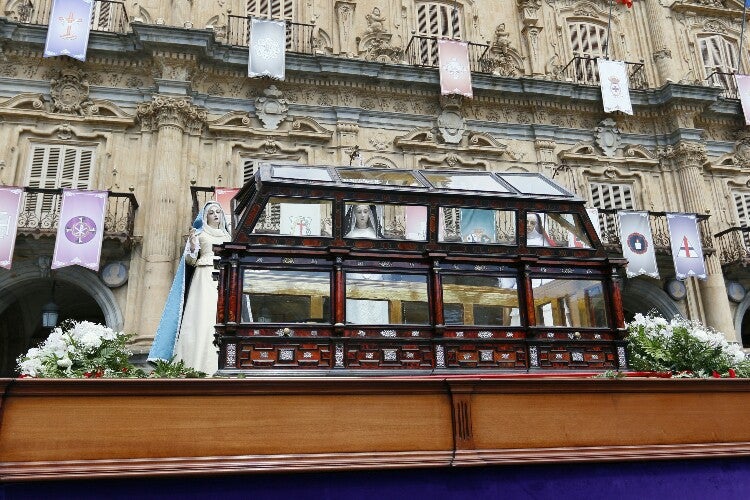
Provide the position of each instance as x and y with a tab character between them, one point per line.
641	296
741	323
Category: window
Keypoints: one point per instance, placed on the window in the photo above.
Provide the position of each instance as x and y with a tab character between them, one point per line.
719	57
480	300
569	303
275	296
295	217
52	167
610	197
742	202
436	20
274	9
386	298
588	41
477	225
248	170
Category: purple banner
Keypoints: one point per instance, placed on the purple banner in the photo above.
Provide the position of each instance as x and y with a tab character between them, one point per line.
267	55
68	33
10	206
743	91
687	252
80	229
637	244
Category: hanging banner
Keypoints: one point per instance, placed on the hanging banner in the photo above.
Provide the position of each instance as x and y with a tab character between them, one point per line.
613	78
224	197
68	33
453	61
80	229
10	207
687	252
637	244
267	55
743	92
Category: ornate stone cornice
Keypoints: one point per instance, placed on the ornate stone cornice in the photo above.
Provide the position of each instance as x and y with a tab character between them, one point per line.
177	112
686	154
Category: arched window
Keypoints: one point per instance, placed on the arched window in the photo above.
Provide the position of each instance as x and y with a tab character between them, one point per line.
719	56
588	41
272	9
609	198
436	20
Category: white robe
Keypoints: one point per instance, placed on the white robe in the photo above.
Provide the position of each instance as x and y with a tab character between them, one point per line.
195	340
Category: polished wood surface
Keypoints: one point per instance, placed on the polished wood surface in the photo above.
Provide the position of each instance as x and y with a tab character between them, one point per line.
88	428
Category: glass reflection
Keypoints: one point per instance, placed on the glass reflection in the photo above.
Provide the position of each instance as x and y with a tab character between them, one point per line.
295	217
569	303
386	299
274	296
480	300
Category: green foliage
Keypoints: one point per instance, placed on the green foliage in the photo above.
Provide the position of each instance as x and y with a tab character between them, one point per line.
174	369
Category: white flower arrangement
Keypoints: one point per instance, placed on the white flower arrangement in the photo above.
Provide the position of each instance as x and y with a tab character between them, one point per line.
683	347
79	349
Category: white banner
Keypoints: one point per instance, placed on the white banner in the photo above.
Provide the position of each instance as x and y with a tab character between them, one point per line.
637	244
455	73
613	78
687	252
743	92
267	54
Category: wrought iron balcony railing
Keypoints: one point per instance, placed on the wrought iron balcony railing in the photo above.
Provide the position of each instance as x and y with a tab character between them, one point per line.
583	69
200	195
609	224
734	245
726	81
423	51
40	213
107	15
299	36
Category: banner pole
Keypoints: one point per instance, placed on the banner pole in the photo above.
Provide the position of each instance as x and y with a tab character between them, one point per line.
609	29
742	36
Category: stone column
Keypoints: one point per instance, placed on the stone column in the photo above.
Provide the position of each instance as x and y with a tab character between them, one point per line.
529	10
345	19
169	118
689	159
665	65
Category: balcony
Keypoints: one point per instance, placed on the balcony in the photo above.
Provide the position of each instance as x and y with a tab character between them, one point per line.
734	246
609	223
40	214
725	80
583	69
423	51
299	36
107	15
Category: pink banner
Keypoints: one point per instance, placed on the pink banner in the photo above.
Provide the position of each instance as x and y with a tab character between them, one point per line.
80	229
743	91
224	197
455	75
10	206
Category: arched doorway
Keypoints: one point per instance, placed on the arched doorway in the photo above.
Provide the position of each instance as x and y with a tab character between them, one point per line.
641	296
79	293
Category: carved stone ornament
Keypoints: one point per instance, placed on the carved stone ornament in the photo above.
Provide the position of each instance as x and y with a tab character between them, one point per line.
177	112
742	151
70	93
271	108
451	124
686	154
607	137
501	59
375	44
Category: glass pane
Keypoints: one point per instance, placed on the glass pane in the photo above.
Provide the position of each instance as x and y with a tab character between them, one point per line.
465	182
556	230
396	222
380	177
272	296
303	173
476	225
572	303
480	300
533	184
295	217
382	299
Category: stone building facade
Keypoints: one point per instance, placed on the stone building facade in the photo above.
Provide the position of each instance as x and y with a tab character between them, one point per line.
162	105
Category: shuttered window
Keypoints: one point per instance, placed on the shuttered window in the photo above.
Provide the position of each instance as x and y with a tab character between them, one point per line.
719	57
273	9
436	20
610	197
248	170
588	40
56	166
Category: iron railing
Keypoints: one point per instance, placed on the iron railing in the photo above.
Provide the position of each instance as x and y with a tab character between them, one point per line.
423	51
734	245
583	69
200	195
106	15
726	81
609	224
40	213
299	36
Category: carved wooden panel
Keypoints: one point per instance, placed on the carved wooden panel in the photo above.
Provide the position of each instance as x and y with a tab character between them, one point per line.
284	354
485	355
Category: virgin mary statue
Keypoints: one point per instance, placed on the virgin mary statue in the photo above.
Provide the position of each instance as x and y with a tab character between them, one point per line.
186	329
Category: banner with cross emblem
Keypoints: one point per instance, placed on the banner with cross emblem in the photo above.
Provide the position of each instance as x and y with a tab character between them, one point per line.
687	251
613	79
80	229
69	25
267	55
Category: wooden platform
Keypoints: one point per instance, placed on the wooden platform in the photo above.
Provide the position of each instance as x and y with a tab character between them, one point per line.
52	429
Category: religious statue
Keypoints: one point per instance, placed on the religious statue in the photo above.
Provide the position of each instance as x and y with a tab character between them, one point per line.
186	329
362	222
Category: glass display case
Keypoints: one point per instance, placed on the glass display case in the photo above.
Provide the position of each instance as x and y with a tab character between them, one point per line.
346	270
